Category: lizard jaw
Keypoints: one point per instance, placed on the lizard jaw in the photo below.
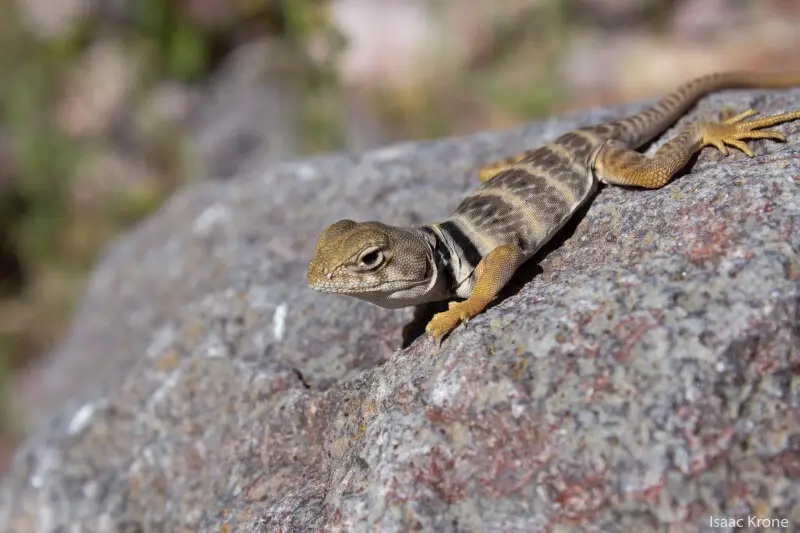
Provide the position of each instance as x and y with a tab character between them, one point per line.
340	288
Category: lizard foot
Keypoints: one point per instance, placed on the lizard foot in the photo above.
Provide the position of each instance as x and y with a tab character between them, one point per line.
733	131
443	323
487	172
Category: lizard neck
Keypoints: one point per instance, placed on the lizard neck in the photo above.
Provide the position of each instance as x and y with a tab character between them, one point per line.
445	261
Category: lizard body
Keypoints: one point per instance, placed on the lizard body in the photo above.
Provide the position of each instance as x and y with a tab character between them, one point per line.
521	203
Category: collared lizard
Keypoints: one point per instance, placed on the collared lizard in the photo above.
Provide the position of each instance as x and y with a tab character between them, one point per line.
522	202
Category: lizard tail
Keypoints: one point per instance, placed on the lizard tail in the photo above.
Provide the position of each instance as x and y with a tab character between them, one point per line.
642	127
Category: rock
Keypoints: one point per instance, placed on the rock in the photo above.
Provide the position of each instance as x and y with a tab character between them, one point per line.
620	14
97	89
53	19
648	375
702	19
212	14
244	111
105	175
404	30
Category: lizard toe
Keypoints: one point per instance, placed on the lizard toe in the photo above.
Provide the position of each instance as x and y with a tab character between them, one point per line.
730	118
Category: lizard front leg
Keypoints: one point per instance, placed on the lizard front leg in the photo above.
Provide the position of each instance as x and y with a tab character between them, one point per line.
619	165
492	273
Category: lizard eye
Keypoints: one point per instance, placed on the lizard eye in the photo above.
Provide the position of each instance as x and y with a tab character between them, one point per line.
370	259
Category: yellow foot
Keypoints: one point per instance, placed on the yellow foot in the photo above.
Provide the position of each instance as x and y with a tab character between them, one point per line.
732	131
443	323
489	171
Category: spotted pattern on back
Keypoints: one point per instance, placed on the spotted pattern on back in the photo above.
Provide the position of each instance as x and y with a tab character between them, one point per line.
491	214
528	202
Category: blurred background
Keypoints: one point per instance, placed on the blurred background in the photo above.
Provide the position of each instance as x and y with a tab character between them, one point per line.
107	106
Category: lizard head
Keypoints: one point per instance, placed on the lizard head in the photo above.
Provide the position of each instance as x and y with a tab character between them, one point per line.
386	265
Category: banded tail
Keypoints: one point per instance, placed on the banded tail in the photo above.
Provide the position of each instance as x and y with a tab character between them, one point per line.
642	127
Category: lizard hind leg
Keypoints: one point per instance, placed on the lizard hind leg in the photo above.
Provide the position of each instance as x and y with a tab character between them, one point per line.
491	275
487	172
618	165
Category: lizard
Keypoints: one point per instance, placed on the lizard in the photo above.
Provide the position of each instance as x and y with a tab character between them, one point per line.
521	203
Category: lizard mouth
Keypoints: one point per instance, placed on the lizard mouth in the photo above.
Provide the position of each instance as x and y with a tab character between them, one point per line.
341	288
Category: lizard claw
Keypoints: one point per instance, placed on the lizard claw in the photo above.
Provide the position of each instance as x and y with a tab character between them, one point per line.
443	323
733	131
728	116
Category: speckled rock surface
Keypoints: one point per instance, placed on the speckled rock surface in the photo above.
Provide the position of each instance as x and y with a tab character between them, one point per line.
646	376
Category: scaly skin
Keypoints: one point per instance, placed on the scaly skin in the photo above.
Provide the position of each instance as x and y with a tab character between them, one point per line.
521	203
